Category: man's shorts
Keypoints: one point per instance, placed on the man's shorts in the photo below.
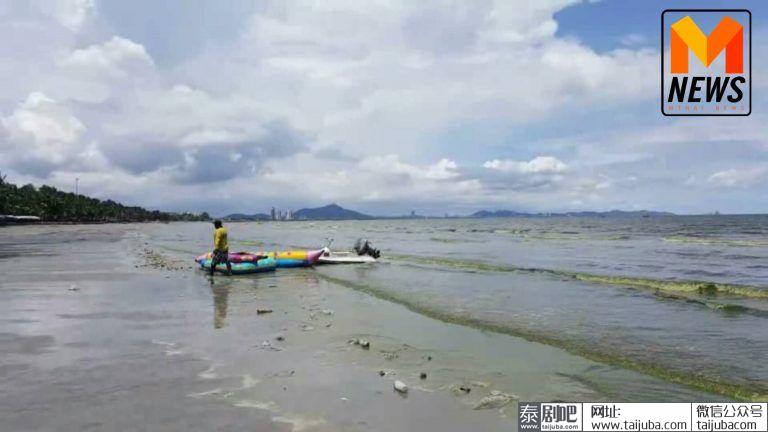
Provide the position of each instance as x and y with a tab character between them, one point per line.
220	257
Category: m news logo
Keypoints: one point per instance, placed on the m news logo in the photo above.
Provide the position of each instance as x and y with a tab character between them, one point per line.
717	79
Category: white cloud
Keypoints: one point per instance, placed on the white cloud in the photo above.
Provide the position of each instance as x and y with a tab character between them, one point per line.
539	164
72	14
633	40
43	132
403	70
740	178
116	57
443	169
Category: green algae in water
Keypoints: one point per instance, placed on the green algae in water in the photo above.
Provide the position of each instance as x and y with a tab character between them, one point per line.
698	287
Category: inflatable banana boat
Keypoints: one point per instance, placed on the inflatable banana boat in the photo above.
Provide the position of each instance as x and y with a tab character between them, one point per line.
297	258
283	259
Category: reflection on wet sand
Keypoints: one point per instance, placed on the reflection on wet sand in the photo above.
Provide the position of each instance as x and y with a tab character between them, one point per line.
220	303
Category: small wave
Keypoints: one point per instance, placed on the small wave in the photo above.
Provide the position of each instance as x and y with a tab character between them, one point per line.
300	423
744	257
717	241
728	308
267	406
445	240
249	381
209	393
209	373
164	343
705	273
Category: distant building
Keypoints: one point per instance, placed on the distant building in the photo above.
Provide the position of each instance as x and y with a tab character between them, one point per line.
281	215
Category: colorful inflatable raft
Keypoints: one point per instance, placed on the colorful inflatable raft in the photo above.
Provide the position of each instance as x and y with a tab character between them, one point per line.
283	259
298	258
236	257
240	267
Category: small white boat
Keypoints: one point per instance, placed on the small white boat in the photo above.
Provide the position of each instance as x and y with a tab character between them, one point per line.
333	257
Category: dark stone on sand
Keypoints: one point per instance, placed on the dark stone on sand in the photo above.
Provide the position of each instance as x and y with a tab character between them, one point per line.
423	375
263	311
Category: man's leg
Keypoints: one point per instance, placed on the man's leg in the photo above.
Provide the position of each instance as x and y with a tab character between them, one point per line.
214	260
229	265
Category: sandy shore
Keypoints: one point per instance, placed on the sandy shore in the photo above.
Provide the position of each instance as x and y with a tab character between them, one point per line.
105	330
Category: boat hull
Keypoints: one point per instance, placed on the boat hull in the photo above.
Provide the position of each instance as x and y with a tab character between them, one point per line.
330	257
260	266
365	259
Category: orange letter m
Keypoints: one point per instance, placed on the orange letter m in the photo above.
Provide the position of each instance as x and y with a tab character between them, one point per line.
728	35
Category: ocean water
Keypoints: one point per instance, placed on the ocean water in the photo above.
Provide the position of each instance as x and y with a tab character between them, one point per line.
681	298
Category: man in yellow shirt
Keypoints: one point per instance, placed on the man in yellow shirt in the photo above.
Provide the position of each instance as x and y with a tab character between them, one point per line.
220	247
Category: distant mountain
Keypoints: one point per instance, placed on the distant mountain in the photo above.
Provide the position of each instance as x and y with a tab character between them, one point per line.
329	212
497	213
619	214
608	214
240	217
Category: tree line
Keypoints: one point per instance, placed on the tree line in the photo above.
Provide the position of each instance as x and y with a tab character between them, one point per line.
53	205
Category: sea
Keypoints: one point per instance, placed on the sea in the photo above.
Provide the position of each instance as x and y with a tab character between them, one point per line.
683	298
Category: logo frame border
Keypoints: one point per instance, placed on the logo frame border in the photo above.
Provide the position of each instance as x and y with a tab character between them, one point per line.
749	14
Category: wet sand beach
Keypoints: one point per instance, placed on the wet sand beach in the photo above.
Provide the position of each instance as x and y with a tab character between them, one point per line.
111	327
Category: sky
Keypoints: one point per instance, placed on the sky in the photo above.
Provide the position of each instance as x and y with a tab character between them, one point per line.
380	106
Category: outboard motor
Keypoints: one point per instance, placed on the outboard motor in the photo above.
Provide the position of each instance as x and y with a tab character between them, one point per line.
363	247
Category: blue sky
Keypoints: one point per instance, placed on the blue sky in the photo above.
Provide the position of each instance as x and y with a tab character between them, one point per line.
383	107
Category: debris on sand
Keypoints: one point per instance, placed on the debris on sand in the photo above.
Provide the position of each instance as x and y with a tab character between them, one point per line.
263	311
364	344
73	287
494	400
382	373
400	386
307	327
423	375
153	259
326	312
280	338
460	390
266	345
389	355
